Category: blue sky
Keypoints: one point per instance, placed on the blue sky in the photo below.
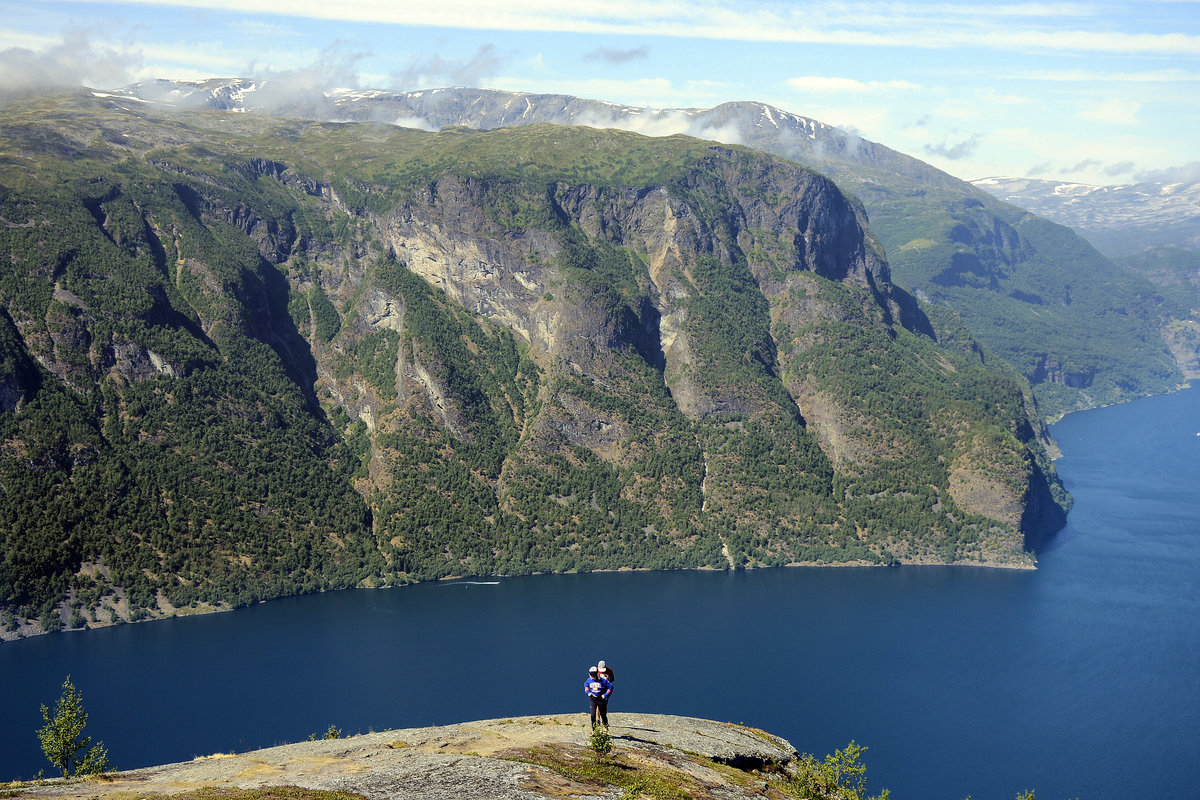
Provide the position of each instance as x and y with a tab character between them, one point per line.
1099	92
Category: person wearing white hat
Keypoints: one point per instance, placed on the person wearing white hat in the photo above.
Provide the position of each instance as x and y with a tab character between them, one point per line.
597	689
605	672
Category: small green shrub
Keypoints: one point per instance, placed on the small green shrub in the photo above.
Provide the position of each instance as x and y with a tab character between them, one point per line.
842	776
333	732
601	742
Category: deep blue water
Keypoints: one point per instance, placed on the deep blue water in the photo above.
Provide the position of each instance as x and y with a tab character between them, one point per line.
1081	679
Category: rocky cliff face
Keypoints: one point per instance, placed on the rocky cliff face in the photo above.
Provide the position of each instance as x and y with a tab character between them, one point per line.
637	292
526	350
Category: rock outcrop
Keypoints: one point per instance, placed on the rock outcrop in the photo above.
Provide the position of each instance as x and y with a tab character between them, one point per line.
509	759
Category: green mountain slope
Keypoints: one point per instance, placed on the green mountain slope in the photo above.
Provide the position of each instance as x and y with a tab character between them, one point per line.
244	357
1081	330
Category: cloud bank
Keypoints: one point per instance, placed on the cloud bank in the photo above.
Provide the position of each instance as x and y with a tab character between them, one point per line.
75	61
436	71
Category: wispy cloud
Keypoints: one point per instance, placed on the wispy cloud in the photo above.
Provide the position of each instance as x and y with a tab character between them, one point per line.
1013	26
440	71
1188	172
957	151
1081	166
335	68
1111	42
618	56
76	59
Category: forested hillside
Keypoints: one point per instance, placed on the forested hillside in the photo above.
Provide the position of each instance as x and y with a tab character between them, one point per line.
244	357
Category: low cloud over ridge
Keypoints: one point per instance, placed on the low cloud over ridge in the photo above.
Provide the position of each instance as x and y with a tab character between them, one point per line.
75	61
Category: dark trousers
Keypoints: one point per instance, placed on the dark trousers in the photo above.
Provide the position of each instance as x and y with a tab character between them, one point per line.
599	706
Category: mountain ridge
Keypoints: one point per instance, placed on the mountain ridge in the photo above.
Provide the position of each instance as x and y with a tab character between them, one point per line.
1119	219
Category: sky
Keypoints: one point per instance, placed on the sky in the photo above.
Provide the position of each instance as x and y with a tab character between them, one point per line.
1095	92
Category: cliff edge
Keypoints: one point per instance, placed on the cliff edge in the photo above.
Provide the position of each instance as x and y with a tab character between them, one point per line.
521	758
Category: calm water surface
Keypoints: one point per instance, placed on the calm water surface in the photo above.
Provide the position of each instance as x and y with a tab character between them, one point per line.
1078	680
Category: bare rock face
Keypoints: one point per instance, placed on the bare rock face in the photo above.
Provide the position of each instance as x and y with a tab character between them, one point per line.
445	236
523	759
1181	337
978	493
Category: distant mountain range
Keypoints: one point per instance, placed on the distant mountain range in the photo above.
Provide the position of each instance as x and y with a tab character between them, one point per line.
1150	229
1118	220
761	126
1082	331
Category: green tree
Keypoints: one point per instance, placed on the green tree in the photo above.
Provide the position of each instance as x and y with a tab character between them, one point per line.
841	776
62	736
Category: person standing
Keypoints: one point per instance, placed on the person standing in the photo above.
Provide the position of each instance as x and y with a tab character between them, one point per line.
605	672
597	689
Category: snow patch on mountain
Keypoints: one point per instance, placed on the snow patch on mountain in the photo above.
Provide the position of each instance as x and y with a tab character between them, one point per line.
1169	207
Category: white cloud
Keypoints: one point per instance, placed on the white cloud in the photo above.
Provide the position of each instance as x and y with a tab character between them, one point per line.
868	121
650	123
1111	42
437	70
726	134
420	123
77	58
1005	27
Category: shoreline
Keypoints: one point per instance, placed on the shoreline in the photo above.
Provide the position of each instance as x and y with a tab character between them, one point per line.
27	631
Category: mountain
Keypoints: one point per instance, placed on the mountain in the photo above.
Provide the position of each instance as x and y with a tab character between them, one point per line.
1082	331
1151	229
1118	220
243	356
